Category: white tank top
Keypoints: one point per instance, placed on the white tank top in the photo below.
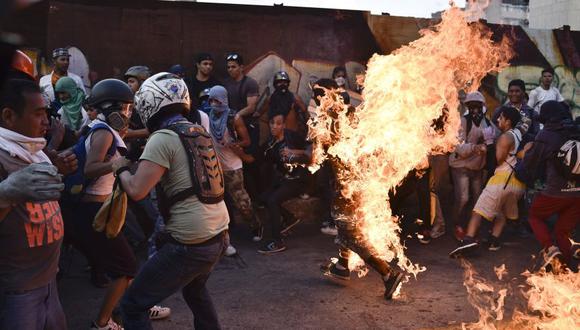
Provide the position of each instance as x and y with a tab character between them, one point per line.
511	160
103	185
228	159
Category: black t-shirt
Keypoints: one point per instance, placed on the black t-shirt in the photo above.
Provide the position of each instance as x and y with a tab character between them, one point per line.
270	153
195	87
239	91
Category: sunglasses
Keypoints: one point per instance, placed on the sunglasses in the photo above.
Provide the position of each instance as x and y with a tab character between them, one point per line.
232	57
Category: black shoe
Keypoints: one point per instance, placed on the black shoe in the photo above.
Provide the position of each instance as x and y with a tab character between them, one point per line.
466	246
330	269
494	243
272	247
424	237
286	226
392	283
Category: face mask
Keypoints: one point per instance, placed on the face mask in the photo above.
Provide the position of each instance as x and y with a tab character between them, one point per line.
283	88
340	81
477	117
219	108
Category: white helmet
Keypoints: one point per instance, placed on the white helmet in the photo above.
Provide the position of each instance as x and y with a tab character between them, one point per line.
158	91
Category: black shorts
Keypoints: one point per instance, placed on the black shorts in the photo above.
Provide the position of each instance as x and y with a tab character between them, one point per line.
114	255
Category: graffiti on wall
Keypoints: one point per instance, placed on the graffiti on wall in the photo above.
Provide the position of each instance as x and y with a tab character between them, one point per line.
565	79
537	49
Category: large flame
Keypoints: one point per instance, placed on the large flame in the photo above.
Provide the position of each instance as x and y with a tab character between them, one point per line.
392	132
551	301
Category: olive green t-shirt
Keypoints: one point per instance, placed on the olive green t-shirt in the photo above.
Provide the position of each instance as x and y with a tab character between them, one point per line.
191	221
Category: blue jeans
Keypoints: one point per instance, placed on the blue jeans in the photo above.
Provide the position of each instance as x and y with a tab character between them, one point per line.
37	309
175	266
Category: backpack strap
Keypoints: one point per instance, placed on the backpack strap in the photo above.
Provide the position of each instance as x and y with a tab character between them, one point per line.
469	125
186	132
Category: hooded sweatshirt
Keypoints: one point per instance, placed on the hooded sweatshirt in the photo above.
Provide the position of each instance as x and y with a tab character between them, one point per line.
547	143
465	155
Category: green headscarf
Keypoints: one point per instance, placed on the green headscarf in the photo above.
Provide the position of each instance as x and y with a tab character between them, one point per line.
72	107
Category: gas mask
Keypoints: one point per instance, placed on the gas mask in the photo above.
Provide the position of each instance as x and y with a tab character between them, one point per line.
116	115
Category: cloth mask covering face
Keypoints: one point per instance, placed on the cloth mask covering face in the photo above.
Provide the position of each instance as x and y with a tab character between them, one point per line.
219	108
340	81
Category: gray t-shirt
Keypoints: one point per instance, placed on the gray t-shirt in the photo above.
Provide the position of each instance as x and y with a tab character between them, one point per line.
30	239
239	91
192	221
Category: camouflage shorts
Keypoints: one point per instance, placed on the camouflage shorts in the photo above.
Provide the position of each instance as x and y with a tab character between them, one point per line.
234	181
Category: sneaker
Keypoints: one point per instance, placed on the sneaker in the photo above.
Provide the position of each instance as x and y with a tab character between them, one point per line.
493	243
329	229
272	247
465	247
424	237
258	233
158	312
459	233
332	270
392	283
551	258
437	231
111	325
304	196
231	251
286	226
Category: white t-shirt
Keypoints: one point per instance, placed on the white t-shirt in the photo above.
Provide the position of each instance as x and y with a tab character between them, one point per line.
539	96
204	120
228	159
45	84
84	121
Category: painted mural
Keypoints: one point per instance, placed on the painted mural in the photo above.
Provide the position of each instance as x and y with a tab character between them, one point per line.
537	49
307	43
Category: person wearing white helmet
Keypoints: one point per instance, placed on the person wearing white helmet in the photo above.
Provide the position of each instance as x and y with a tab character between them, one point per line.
180	159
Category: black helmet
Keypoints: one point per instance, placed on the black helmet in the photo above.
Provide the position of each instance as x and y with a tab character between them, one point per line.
108	94
204	93
140	72
281	75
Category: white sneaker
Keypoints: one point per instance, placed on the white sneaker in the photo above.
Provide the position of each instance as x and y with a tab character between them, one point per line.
304	196
111	325
230	251
158	312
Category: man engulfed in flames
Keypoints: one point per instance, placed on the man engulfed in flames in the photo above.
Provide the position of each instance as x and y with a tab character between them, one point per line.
373	148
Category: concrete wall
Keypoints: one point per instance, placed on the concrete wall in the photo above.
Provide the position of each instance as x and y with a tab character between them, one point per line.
553	14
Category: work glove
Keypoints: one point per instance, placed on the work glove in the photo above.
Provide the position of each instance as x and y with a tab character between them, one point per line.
34	183
489	135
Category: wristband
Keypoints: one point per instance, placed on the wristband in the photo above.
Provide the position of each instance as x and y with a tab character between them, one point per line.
121	170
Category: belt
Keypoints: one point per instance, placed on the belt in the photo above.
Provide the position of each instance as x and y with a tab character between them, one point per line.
210	241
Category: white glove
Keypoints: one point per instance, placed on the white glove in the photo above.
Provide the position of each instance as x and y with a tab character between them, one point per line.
489	135
36	182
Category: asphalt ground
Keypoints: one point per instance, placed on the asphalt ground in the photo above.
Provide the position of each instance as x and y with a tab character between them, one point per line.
287	290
